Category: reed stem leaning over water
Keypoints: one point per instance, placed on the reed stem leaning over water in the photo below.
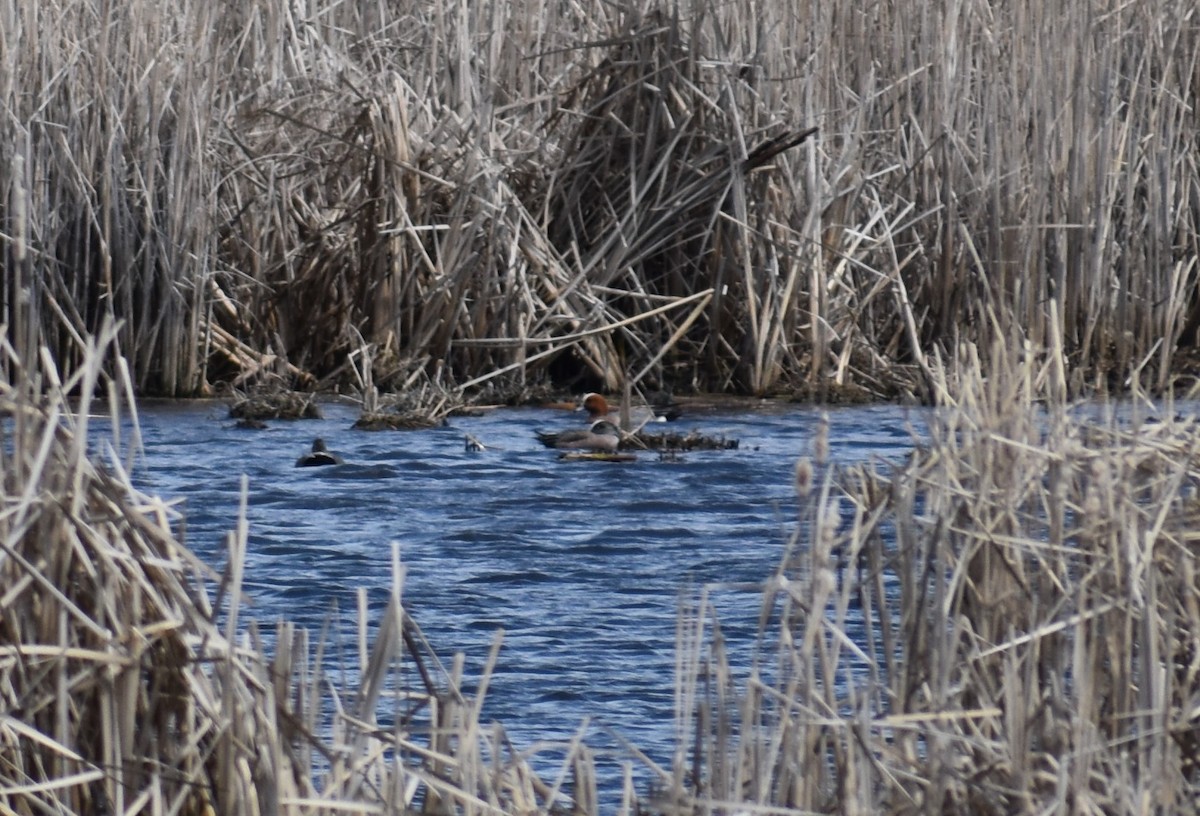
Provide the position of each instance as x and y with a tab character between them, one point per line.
129	682
1006	623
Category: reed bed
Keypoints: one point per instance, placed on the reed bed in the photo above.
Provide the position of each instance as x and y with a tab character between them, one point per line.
508	194
130	683
1006	623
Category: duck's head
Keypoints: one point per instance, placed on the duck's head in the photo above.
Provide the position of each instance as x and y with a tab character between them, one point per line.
595	405
319	446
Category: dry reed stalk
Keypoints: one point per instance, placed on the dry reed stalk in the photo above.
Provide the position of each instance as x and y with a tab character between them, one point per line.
1006	623
435	175
126	687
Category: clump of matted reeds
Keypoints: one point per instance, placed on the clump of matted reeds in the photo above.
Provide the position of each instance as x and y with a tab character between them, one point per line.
272	403
652	189
675	442
1006	623
127	684
423	401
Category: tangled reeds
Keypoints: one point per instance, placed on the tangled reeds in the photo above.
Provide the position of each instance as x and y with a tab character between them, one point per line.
523	192
1005	624
130	683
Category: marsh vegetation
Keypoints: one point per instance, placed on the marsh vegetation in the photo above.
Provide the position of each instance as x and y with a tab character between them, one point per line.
799	197
997	212
1004	623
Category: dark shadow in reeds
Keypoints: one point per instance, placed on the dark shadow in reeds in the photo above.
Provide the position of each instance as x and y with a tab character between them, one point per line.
601	192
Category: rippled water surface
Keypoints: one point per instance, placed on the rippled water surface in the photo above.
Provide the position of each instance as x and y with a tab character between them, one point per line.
580	563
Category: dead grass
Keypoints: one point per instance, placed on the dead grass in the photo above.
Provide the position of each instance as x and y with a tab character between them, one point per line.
1007	623
529	193
129	682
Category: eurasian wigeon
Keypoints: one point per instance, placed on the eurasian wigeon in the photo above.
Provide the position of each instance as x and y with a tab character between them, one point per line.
319	456
603	436
597	407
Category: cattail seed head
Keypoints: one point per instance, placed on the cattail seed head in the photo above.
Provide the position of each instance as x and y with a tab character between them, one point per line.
821	441
804	477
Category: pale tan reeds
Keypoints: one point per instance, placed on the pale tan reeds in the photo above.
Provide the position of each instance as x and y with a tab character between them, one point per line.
1007	623
516	186
130	681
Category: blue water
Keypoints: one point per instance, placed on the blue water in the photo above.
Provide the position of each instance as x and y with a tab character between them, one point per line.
582	564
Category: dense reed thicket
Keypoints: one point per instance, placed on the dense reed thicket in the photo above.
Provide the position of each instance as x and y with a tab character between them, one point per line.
1006	624
503	193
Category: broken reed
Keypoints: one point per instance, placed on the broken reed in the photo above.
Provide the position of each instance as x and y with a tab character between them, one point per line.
1007	623
478	192
129	682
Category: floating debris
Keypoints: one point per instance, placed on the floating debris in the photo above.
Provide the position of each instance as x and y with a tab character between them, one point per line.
672	441
413	410
472	444
397	421
594	456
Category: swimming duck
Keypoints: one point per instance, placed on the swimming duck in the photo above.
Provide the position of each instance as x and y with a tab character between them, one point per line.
602	436
597	407
319	456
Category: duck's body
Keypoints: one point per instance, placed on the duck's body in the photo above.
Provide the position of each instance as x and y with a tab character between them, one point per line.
320	455
597	408
603	436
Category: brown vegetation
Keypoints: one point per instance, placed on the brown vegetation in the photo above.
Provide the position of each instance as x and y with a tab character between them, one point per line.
130	684
506	193
490	195
1007	624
